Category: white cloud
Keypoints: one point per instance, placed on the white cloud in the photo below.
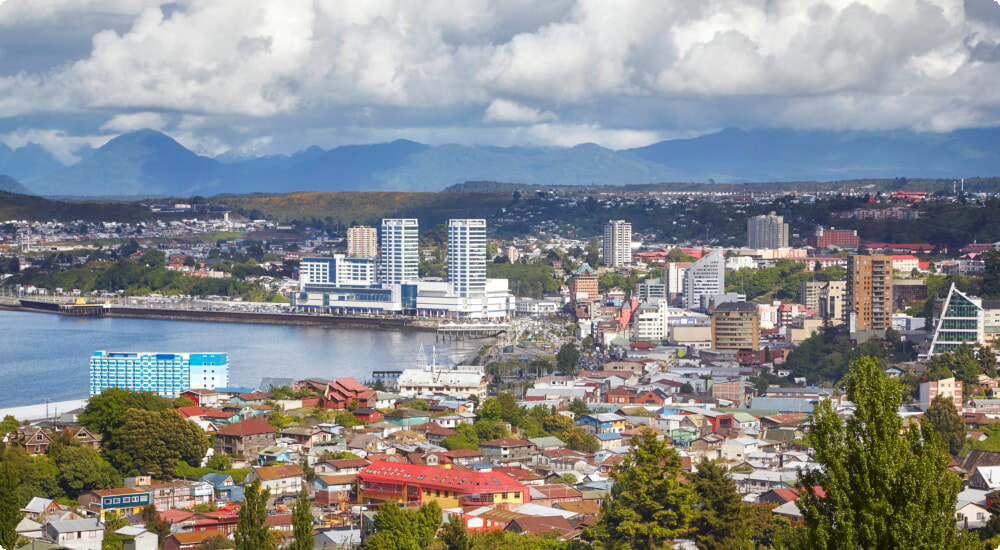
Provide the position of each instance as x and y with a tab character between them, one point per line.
227	72
135	121
501	110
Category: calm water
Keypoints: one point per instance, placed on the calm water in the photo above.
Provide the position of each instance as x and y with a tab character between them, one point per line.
43	355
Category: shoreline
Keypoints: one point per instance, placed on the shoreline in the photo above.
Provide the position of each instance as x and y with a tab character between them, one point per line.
297	319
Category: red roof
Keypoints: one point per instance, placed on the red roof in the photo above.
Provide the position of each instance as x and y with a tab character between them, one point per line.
188	412
351	384
459	481
247	427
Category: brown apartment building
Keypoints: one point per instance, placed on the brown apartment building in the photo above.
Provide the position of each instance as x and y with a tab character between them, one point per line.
869	292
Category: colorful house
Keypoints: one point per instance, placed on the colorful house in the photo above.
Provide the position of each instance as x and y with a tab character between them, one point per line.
121	502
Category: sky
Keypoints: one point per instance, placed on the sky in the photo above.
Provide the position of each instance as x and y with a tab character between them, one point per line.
254	77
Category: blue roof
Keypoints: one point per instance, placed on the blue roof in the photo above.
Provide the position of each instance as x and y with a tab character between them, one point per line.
608	436
236	390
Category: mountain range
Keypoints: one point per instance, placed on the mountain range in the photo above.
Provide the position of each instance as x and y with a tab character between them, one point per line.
148	163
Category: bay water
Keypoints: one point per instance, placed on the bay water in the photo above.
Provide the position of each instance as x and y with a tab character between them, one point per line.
45	356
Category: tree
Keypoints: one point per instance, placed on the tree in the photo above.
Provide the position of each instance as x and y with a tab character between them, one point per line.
568	357
455	536
10	507
9	424
81	468
943	418
578	407
151	518
399	529
723	521
883	486
302	520
251	532
578	440
593	257
155	440
647	505
154	258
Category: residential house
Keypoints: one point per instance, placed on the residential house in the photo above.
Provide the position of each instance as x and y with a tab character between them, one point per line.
335	490
77	534
654	396
367	414
245	439
206	398
225	489
341	466
281	480
307	436
138	538
433	432
38	509
190	540
121	502
344	393
178	494
602	423
508	451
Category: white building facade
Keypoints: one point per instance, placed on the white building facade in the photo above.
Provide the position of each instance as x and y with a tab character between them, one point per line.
400	250
617	243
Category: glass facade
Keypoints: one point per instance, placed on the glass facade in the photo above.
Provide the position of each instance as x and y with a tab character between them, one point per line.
962	320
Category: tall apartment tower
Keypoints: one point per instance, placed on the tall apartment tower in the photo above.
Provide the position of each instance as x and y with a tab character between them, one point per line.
400	250
767	232
706	277
362	241
869	292
617	243
166	374
467	257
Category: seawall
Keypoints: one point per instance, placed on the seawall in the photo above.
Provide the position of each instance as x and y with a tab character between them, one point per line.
388	323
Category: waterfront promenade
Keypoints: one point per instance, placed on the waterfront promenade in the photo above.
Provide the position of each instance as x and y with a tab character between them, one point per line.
42	411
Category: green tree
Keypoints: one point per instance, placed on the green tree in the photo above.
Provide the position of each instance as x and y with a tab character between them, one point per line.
578	440
455	536
151	518
154	258
943	418
593	257
10	506
578	407
9	424
884	487
155	440
647	505
399	529
105	414
723	521
302	522
251	532
81	468
568	357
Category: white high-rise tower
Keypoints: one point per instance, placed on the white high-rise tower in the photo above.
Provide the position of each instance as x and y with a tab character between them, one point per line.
617	243
467	257
400	250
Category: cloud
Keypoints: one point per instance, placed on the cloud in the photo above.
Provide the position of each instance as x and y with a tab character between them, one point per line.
258	75
501	110
135	121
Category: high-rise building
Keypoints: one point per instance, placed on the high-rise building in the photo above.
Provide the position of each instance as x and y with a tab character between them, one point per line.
584	285
869	292
768	232
400	251
736	325
317	274
617	243
673	279
827	297
166	374
704	278
962	322
467	257
362	241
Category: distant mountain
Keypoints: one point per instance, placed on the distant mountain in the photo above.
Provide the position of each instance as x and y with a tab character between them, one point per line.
27	162
11	185
149	163
732	155
142	163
